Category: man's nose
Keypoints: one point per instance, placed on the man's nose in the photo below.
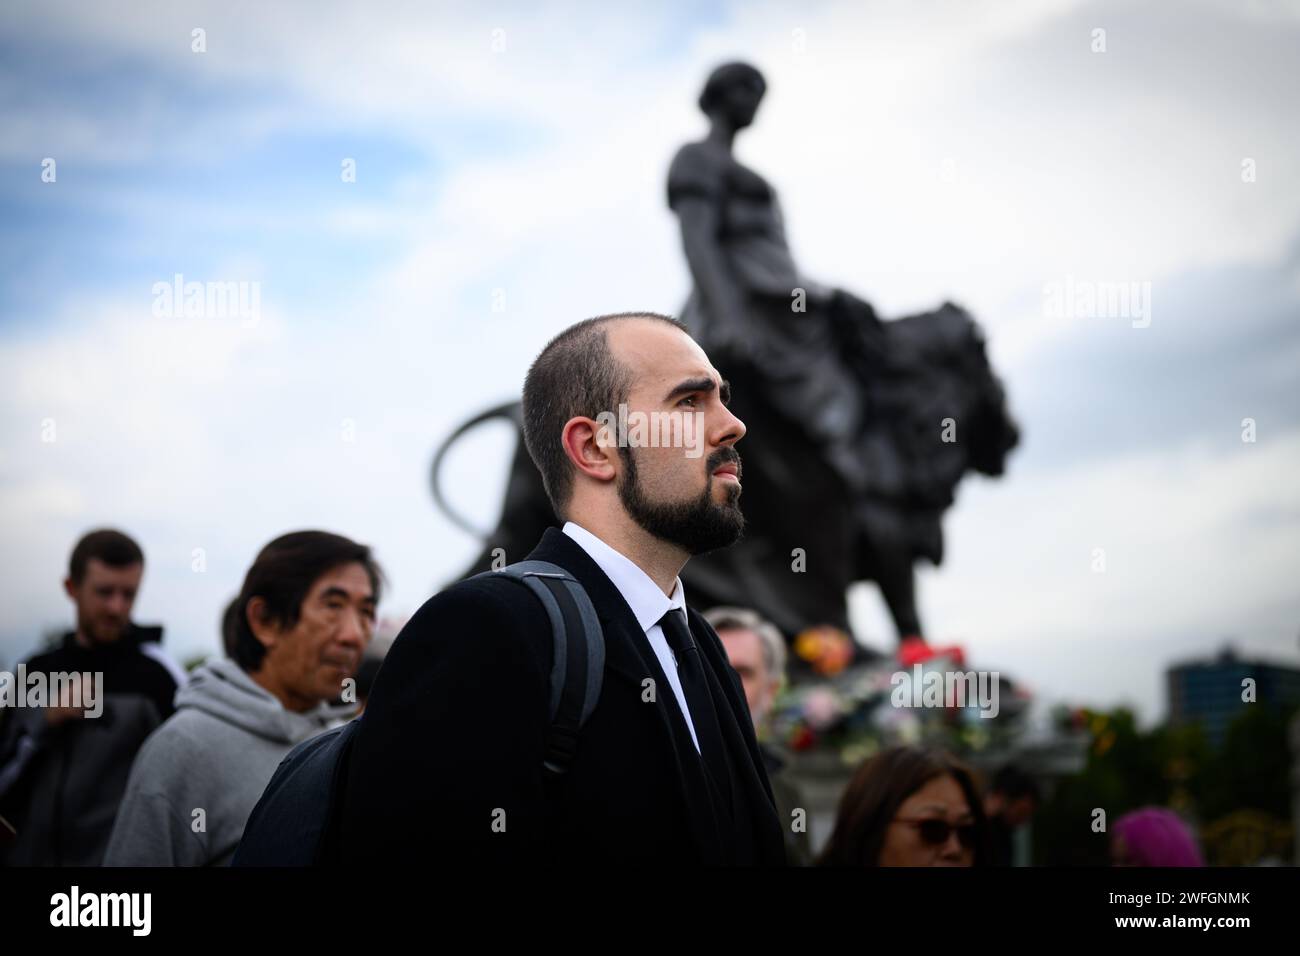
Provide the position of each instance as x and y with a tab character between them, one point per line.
119	605
732	429
355	630
952	848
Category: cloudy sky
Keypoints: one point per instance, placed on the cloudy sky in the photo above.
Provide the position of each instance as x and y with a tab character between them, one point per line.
509	180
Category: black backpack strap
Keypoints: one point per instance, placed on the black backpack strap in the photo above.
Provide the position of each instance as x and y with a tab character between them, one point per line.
578	661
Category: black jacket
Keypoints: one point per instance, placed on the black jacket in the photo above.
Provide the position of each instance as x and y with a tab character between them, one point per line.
61	786
453	735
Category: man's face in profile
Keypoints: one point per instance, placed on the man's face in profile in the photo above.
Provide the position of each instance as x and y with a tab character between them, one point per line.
689	497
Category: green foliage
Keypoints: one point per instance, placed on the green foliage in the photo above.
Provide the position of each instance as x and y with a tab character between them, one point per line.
1251	769
1174	767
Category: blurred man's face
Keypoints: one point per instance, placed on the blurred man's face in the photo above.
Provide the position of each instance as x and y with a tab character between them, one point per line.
745	652
104	598
687	494
309	662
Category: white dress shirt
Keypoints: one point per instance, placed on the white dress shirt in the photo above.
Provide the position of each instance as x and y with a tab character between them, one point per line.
647	602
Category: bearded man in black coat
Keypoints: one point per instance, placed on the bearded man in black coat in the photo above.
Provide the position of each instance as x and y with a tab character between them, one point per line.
447	764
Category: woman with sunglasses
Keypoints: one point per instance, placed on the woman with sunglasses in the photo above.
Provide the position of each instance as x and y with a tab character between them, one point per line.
908	806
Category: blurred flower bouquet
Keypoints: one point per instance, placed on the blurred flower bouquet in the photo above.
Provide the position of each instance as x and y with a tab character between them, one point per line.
845	706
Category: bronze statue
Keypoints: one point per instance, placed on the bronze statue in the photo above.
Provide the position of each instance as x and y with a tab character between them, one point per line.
750	303
859	430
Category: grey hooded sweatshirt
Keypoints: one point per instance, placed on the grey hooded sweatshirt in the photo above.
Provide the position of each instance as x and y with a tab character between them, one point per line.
199	775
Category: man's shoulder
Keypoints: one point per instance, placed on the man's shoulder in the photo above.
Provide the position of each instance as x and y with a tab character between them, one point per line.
490	608
492	594
146	671
195	741
48	658
188	728
177	745
154	660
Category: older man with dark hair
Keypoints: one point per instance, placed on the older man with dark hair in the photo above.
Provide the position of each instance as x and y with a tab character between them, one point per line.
448	761
296	632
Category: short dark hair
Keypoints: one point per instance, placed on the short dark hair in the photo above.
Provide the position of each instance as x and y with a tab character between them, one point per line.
1014	783
282	575
878	789
112	547
575	375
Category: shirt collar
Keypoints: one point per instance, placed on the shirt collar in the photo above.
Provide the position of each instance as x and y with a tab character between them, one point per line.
643	596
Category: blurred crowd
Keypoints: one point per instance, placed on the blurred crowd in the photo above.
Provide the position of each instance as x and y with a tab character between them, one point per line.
170	766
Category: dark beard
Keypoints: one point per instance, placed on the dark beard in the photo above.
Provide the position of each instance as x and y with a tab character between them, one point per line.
698	525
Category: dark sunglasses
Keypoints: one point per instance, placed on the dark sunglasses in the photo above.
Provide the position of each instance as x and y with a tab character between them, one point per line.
936	832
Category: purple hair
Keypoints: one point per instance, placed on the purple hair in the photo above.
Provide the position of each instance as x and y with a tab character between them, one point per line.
1154	836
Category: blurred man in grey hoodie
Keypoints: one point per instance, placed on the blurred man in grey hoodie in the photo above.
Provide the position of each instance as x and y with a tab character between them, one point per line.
300	626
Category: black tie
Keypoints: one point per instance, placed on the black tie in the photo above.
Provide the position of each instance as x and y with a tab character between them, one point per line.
695	685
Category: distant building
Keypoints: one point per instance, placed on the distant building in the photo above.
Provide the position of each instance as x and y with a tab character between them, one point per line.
1209	692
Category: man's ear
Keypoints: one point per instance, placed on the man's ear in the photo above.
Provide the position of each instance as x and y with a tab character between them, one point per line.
591	448
69	588
258	622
